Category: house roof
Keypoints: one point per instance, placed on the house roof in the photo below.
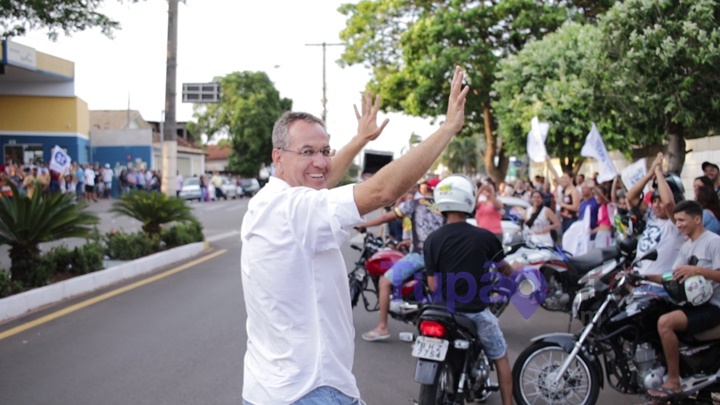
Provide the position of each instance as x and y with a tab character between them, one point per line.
218	152
117	119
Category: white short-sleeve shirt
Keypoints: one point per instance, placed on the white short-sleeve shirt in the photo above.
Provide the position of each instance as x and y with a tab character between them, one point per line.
299	325
661	235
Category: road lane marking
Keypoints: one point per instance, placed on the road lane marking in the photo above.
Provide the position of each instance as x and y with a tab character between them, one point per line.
103	297
221	236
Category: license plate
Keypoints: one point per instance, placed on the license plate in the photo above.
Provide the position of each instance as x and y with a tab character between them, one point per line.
430	348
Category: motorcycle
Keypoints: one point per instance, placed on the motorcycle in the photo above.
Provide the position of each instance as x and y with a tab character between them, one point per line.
622	339
364	280
565	275
451	365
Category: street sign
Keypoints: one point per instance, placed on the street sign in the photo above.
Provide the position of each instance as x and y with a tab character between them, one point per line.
201	93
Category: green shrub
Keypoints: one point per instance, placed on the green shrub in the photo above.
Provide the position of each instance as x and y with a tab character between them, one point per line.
182	234
7	286
130	246
87	258
37	272
60	258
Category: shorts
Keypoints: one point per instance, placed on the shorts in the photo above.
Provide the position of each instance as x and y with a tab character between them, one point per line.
603	239
89	188
489	333
410	264
701	317
324	396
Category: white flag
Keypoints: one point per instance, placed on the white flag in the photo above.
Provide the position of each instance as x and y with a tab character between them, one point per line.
59	160
633	173
595	148
536	140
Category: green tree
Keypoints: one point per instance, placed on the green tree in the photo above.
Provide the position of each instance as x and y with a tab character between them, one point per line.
461	155
249	106
26	222
17	17
664	64
559	79
153	209
412	46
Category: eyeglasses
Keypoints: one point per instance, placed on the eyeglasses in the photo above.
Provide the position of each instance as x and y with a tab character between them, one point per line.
310	153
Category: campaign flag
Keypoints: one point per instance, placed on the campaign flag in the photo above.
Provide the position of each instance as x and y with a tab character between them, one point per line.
633	173
59	160
536	140
595	148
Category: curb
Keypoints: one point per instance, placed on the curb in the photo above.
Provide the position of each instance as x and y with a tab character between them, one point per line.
20	304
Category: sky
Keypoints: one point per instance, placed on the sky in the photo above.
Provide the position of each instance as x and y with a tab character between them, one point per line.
215	38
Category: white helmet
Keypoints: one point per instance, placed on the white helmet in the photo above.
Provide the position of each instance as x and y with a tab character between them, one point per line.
455	193
695	290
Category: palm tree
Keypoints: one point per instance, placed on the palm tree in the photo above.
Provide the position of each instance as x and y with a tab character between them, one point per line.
461	155
26	222
153	209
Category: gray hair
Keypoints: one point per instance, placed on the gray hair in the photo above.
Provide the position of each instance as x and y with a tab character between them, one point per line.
280	133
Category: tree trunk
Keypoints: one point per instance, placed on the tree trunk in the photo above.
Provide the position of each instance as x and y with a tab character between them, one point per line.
497	173
676	145
21	260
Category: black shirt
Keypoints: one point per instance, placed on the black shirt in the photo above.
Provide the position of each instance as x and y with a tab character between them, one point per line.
460	252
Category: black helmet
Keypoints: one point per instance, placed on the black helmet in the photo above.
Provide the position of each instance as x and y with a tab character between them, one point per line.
676	186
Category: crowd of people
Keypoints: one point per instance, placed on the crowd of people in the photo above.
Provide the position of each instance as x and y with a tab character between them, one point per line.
89	182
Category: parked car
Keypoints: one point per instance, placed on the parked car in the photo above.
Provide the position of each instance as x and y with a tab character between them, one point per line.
512	219
249	187
191	189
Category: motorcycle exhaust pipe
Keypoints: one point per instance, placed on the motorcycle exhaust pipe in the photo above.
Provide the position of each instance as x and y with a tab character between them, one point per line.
697	385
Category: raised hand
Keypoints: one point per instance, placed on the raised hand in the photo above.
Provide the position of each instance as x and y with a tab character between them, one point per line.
456	104
367	121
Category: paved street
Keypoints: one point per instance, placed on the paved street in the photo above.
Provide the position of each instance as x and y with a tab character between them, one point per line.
181	339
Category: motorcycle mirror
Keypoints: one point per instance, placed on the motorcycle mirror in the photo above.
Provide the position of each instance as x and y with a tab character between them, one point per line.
651	255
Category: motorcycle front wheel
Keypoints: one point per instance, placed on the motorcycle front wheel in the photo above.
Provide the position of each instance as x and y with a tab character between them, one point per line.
443	390
534	382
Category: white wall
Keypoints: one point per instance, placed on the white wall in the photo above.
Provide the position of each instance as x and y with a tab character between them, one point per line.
120	137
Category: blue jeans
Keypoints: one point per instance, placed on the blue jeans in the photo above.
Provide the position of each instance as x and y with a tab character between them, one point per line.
323	396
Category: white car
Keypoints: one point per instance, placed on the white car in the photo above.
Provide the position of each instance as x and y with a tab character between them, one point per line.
512	217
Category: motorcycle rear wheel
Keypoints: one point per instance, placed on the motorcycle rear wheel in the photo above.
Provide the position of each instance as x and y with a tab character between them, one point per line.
443	390
532	375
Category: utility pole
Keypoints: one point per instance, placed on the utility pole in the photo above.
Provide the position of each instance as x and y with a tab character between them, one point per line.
324	85
169	144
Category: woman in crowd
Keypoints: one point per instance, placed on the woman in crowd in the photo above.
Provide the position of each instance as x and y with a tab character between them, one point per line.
707	197
567	200
488	209
606	214
541	220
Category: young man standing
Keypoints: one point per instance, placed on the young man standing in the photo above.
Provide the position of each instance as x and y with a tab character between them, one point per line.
458	248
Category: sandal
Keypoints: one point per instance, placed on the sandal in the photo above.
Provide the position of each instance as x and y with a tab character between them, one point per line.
662	394
373	336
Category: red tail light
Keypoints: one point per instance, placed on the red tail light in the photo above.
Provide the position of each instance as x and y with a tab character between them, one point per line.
432	329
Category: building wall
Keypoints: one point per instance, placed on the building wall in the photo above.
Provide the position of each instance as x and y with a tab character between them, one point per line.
54	89
77	147
44	115
121	137
137	156
216	165
189	164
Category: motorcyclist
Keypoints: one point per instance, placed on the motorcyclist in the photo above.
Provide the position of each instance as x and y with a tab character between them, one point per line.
703	249
452	254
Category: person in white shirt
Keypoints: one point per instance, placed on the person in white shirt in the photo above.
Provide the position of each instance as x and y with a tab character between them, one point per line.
107	176
179	180
660	232
89	174
300	345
